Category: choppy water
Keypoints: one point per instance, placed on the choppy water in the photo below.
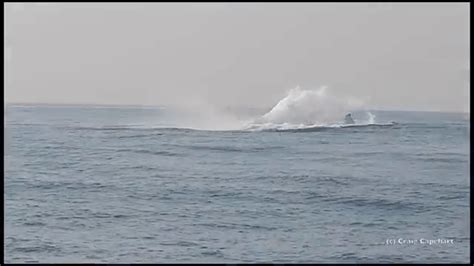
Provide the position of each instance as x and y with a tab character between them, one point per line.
82	185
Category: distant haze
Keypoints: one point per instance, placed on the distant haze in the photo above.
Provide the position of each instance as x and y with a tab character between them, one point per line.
393	56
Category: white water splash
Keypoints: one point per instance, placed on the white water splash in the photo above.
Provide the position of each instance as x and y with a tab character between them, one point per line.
302	108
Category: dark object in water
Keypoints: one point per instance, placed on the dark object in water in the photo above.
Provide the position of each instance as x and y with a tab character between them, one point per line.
348	119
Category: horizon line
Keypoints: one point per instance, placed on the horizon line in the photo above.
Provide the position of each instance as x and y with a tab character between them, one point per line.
5	103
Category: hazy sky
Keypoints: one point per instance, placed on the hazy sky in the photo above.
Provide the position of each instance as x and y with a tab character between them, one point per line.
396	56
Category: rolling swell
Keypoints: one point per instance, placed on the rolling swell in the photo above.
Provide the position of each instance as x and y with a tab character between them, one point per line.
330	195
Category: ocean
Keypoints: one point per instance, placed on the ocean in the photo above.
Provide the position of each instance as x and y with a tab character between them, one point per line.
125	184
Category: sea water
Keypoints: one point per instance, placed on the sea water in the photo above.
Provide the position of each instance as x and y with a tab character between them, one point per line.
98	184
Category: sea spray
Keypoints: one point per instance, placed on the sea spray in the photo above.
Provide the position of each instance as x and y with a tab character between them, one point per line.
202	115
371	119
299	109
309	107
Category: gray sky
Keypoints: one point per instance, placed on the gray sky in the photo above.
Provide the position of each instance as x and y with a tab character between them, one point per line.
398	56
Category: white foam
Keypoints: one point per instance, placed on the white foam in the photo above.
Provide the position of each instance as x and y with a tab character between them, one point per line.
371	119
